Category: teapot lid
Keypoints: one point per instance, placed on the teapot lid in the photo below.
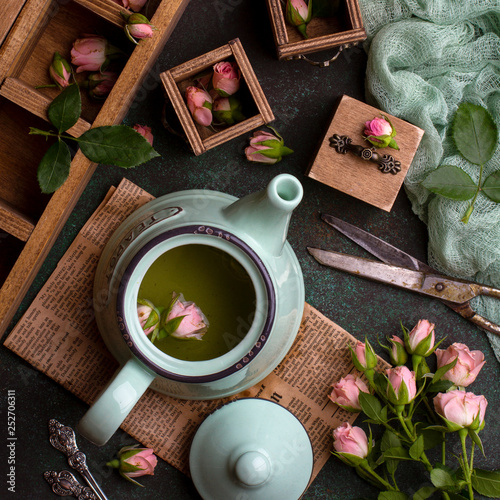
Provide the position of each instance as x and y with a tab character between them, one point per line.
251	448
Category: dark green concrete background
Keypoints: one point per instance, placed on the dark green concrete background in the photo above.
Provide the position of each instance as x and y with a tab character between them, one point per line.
302	98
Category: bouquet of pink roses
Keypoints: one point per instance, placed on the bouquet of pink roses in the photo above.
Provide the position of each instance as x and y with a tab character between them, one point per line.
417	410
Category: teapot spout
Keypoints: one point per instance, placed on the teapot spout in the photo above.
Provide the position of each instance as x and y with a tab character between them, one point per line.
265	215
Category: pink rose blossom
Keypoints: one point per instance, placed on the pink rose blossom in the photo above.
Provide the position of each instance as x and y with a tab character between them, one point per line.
266	148
89	53
363	356
140	30
298	13
185	320
145	132
60	71
378	126
460	407
398	353
199	103
352	440
469	363
135	5
346	392
226	78
422	338
148	316
402	387
100	84
135	462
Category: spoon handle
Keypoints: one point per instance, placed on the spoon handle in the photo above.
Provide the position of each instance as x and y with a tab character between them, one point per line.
62	438
64	484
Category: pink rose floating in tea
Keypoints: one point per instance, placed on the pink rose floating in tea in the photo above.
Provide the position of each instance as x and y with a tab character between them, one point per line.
182	319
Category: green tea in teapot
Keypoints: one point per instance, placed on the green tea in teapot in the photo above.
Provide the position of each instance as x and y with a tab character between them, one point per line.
206	285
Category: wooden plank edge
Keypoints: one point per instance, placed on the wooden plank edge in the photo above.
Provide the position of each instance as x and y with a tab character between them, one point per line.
107	9
277	21
321	43
15	222
182	112
35	102
251	80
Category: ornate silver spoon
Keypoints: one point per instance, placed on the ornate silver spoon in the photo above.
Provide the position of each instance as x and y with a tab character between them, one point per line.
62	438
64	484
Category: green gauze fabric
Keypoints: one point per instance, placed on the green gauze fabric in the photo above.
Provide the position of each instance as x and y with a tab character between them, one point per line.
424	59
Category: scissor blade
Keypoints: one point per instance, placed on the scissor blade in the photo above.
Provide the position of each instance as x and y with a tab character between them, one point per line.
417	281
377	247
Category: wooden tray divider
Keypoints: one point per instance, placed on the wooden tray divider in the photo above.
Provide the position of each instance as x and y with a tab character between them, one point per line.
34	101
106	9
14	222
251	81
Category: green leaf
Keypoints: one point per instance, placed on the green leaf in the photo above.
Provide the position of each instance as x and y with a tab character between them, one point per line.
172	325
432	437
486	482
475	438
397	453
491	187
116	145
390	440
417	448
440	386
475	133
392	495
442	479
54	167
370	405
451	182
441	371
424	493
66	108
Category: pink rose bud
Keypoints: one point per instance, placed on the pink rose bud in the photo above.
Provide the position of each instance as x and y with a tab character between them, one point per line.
469	363
226	78
145	132
346	392
93	53
421	339
299	13
402	386
199	103
227	110
134	462
380	133
135	5
363	356
461	409
137	27
100	84
60	71
352	440
148	315
185	320
266	148
397	352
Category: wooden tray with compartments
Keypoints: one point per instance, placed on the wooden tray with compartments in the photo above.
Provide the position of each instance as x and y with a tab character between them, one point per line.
341	31
30	32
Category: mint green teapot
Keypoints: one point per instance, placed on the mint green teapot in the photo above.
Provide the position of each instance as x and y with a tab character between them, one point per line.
252	232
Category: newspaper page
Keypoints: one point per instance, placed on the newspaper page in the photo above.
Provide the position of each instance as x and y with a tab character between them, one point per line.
58	335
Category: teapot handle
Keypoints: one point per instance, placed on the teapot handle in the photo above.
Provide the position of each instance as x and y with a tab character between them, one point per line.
115	402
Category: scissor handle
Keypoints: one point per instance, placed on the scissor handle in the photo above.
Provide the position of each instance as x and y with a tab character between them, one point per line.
486	290
466	311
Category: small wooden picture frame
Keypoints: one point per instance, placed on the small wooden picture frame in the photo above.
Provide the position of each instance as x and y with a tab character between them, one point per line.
357	177
255	105
343	30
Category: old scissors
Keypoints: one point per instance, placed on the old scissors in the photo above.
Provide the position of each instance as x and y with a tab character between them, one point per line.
404	271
